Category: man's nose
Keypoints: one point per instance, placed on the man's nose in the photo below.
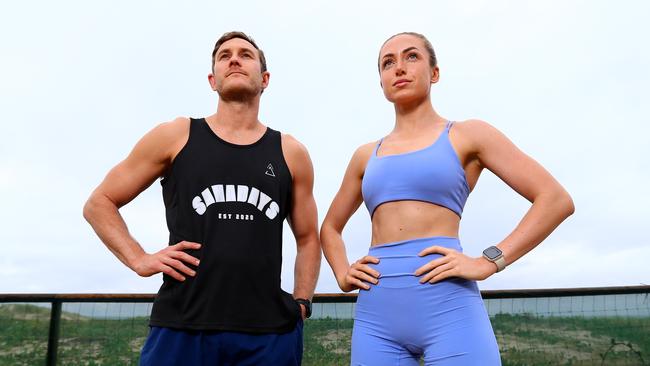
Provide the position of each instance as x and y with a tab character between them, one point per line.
234	60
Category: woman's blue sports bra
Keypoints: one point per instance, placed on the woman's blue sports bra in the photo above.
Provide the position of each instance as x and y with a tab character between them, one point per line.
432	174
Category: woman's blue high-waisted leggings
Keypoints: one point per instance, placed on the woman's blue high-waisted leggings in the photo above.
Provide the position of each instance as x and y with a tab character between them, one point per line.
400	320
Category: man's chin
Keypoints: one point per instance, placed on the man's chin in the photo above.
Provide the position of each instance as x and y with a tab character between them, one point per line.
238	94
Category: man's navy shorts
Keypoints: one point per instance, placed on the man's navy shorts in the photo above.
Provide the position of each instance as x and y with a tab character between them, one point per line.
165	346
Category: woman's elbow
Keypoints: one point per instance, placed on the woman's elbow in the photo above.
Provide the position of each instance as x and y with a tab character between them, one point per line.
327	230
558	202
571	208
565	203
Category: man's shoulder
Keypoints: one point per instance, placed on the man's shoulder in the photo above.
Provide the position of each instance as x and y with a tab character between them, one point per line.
166	139
296	156
175	127
291	145
171	132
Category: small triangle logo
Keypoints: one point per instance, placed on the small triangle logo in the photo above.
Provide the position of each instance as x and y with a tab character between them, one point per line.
269	170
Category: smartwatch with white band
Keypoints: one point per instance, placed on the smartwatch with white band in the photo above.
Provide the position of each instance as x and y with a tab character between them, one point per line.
495	255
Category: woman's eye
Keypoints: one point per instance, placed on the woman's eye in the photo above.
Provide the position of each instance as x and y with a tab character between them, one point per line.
387	63
412	56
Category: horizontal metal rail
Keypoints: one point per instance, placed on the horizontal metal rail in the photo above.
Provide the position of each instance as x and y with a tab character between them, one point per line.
57	300
335	297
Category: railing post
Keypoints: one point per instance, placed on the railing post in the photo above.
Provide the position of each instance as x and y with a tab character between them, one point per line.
53	338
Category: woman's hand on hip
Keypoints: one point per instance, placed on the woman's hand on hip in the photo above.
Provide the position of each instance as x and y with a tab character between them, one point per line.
359	275
453	264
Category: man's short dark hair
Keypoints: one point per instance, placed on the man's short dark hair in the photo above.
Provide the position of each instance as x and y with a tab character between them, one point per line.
241	35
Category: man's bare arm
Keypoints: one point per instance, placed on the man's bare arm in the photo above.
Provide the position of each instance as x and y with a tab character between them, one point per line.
148	160
303	219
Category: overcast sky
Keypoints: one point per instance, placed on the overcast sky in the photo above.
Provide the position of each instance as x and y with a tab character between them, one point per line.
567	81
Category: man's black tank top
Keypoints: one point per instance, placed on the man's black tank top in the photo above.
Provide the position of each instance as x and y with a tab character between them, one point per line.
232	199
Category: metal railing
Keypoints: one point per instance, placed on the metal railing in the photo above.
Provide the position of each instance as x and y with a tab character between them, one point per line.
545	302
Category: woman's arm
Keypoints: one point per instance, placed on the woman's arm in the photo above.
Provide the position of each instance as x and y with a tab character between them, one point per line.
345	203
551	204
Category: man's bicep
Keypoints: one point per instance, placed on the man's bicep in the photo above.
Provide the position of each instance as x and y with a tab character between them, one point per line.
303	216
147	161
128	179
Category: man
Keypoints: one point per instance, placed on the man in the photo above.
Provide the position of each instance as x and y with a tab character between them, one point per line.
228	184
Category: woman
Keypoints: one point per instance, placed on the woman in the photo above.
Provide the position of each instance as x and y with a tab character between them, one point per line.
418	290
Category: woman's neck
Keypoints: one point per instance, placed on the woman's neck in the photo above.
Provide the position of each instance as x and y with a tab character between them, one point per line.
412	119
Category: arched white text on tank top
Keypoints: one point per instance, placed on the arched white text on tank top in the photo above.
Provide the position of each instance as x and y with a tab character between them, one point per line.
235	193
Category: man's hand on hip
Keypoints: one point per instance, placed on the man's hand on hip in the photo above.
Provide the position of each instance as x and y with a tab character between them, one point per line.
170	261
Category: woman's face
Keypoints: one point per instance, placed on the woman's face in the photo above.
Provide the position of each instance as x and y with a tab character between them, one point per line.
405	73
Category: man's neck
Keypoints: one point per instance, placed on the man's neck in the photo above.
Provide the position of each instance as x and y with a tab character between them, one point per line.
236	115
236	122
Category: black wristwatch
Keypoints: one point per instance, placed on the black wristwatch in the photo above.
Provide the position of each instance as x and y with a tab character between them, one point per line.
307	304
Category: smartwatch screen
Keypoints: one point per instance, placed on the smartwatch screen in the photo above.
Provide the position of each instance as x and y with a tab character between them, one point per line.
492	252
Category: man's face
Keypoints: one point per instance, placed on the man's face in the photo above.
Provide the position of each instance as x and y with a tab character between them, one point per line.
237	74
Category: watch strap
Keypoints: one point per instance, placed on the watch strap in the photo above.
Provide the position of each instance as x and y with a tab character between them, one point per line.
500	262
307	305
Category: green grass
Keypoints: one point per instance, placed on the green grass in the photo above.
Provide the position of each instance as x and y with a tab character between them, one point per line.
523	339
530	340
83	341
327	342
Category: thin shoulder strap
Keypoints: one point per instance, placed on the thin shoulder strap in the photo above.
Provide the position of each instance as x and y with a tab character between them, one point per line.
449	124
374	153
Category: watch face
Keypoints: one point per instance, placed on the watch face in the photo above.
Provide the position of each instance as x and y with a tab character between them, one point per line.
492	252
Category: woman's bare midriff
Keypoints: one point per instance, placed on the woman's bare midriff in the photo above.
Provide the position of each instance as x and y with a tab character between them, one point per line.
405	220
